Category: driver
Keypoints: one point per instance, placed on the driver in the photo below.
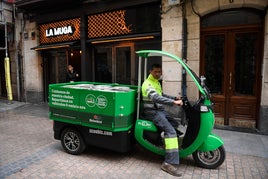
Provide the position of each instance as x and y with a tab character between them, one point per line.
153	98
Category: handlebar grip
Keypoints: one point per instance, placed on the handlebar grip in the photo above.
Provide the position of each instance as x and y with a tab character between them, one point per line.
185	101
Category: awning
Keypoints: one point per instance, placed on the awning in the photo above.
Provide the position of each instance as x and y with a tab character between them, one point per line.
53	46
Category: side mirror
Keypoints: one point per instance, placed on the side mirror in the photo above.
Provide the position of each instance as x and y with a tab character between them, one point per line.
203	80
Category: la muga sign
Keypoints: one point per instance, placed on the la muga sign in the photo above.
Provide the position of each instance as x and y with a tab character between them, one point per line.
60	31
65	30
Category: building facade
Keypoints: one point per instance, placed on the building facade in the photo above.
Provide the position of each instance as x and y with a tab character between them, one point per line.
225	40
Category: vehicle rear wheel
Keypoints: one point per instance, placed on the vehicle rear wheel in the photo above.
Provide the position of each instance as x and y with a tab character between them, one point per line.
72	141
210	159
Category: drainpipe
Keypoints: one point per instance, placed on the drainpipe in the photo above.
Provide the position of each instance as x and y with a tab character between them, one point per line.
18	59
184	57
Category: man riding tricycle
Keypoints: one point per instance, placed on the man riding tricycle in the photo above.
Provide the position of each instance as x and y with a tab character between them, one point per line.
111	116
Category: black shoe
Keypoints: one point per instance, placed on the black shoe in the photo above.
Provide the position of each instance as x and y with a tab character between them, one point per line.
171	169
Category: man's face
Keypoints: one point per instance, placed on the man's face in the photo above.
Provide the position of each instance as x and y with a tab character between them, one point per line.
70	67
156	73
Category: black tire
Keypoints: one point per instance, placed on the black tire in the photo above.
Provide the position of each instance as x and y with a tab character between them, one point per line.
211	159
72	141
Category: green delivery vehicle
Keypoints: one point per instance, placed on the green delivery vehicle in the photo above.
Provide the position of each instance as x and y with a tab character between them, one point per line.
108	116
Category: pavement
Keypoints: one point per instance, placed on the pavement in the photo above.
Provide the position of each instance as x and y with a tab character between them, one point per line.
28	150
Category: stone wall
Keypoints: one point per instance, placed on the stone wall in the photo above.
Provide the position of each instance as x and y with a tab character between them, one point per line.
263	122
32	64
171	42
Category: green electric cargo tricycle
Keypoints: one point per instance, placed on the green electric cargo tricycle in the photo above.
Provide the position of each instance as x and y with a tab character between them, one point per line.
108	116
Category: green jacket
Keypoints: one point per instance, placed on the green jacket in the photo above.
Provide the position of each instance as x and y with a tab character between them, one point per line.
153	96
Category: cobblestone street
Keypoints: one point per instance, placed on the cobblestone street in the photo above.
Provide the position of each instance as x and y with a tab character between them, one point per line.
28	150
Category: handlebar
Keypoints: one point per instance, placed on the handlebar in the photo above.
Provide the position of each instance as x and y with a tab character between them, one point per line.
186	103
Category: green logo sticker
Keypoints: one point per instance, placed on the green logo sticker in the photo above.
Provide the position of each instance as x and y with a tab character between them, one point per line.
101	101
90	100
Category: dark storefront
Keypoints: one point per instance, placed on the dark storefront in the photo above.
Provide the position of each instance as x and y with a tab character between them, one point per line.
59	47
101	46
115	36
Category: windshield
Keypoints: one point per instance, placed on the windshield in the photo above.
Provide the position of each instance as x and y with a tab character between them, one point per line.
149	53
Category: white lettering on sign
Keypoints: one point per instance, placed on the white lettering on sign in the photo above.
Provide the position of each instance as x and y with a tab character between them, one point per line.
64	99
65	30
145	124
95	121
101	132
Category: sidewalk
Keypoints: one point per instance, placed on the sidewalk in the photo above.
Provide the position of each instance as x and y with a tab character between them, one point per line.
7	105
40	109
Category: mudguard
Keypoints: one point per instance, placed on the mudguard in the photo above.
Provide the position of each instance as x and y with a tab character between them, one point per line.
212	142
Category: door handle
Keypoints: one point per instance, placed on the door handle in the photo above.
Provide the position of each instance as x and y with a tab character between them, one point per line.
230	80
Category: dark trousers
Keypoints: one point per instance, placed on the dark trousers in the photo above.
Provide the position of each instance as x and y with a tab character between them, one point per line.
166	123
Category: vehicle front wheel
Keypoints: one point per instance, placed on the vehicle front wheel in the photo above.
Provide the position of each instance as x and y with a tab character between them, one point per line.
72	141
210	159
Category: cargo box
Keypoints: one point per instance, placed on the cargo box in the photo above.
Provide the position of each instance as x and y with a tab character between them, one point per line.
103	106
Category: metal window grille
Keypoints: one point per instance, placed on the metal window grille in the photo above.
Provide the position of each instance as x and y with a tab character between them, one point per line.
108	24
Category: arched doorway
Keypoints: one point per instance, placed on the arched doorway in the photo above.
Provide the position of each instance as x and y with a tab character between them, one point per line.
231	53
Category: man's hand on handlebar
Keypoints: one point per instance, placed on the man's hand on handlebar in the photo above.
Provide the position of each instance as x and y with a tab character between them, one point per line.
178	102
177	98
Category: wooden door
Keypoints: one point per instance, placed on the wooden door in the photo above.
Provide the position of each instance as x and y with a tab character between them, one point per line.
231	61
